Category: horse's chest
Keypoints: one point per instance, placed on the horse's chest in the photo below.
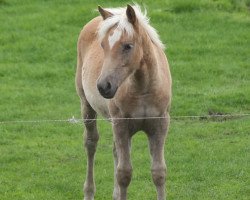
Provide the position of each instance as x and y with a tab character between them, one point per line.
145	111
143	108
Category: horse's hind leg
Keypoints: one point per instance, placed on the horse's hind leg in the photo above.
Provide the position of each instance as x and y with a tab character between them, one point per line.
156	137
91	137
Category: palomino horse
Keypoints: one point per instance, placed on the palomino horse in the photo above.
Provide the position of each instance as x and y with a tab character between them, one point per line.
123	74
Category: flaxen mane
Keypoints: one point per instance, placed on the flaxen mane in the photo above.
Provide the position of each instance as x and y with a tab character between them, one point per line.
119	18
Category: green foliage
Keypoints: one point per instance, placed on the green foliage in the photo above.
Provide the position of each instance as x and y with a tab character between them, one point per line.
208	50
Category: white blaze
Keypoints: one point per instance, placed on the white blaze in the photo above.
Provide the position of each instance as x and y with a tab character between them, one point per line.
114	38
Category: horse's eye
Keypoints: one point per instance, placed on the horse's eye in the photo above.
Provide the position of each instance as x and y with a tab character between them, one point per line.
127	47
102	45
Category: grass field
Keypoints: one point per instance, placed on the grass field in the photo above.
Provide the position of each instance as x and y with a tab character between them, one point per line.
208	47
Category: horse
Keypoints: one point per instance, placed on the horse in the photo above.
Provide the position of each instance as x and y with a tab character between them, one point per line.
123	75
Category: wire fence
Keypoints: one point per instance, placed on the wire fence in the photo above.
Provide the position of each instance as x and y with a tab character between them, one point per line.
74	120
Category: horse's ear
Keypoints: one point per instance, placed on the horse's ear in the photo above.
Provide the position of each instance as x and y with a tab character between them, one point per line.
104	13
131	14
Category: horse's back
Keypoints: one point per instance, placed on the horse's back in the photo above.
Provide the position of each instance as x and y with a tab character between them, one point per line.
164	69
88	35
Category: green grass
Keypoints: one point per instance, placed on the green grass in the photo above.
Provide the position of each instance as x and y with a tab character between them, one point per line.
208	50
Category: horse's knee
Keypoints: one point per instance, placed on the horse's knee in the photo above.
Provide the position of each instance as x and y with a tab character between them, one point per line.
91	141
91	144
124	176
159	175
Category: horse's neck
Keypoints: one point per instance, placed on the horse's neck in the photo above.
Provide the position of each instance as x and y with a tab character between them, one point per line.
147	75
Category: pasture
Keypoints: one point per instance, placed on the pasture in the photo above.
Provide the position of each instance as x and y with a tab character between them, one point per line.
208	50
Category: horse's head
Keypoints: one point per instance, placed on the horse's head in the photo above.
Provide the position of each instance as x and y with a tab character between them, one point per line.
120	41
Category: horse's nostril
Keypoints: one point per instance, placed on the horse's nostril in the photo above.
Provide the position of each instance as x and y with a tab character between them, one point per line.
104	88
108	86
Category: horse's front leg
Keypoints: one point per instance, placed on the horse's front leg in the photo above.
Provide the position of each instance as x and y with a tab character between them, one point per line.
156	135
123	167
91	137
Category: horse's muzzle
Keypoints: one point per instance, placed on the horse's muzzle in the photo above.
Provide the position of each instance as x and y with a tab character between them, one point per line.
106	89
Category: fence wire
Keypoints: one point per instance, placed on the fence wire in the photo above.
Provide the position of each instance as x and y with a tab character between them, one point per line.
74	120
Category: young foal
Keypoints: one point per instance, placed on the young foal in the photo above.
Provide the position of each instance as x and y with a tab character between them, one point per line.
123	74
